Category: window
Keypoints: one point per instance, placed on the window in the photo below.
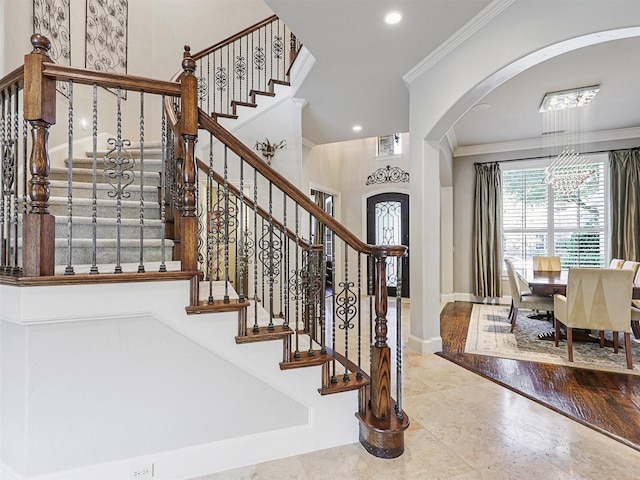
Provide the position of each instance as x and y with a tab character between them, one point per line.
389	145
538	221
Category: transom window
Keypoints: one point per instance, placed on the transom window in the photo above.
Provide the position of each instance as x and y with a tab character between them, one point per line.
538	221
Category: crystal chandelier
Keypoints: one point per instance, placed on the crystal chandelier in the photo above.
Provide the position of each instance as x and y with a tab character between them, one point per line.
569	170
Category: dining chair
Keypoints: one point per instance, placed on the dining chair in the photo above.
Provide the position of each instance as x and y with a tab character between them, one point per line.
629	265
520	299
546	264
616	263
596	299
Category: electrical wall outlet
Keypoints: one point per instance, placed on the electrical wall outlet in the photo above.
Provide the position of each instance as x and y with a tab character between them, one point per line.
141	473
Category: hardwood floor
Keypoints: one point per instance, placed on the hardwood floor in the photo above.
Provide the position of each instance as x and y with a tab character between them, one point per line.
607	402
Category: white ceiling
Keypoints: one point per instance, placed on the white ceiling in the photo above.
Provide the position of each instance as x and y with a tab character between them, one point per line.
360	62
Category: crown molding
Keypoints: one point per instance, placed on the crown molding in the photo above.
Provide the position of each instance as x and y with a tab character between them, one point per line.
491	11
537	143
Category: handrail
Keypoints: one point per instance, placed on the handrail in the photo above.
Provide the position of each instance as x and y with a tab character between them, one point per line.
297	195
235	37
261	211
111	80
16	76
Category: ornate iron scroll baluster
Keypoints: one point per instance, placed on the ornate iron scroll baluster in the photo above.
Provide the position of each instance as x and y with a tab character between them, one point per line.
296	283
271	251
118	172
346	309
399	412
163	187
226	227
141	264
94	184
256	328
69	268
210	225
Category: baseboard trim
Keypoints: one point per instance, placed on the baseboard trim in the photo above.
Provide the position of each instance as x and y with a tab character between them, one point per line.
447	297
199	460
431	345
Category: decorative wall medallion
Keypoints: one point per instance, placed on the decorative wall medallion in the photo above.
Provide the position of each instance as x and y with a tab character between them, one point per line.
388	174
106	35
51	18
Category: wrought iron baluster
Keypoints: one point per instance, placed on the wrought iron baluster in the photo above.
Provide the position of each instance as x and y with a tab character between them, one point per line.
256	328
284	272
16	153
141	268
271	255
334	318
371	309
119	173
163	186
298	283
399	412
69	268
226	227
241	256
210	222
94	183
5	158
359	373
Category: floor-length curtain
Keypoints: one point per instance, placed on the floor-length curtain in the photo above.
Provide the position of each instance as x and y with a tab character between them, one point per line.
624	184
487	231
319	233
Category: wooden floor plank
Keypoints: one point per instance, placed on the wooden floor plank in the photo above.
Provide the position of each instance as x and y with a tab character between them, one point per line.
607	402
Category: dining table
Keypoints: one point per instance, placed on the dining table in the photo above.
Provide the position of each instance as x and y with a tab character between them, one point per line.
551	283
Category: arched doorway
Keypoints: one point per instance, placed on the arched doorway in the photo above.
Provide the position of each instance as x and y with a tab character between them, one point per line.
388	224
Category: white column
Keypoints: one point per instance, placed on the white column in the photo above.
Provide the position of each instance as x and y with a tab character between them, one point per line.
424	230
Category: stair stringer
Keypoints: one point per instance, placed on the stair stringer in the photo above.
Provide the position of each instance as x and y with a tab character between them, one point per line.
331	420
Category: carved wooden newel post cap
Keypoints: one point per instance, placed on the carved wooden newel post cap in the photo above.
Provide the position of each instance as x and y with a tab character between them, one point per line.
188	63
41	44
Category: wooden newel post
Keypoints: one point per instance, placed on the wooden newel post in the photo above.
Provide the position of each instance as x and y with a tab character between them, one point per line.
189	132
381	427
38	227
380	351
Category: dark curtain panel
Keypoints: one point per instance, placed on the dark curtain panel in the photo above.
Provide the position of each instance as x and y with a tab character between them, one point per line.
624	184
487	231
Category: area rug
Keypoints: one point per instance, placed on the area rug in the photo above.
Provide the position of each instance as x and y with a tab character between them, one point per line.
489	335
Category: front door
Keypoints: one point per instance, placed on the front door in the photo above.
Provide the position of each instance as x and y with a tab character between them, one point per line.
388	224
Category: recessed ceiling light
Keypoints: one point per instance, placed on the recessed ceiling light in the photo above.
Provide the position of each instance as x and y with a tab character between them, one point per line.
393	18
357	128
576	97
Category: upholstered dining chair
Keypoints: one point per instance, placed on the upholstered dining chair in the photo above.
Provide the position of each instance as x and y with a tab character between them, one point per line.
596	299
616	263
546	264
520	299
629	265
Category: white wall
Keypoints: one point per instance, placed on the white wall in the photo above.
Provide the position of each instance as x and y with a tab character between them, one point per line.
107	378
342	168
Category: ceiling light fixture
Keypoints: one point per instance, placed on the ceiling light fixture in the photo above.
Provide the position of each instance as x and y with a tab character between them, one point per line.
357	128
576	97
393	18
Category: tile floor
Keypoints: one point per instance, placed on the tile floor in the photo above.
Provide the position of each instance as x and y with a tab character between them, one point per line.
465	427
